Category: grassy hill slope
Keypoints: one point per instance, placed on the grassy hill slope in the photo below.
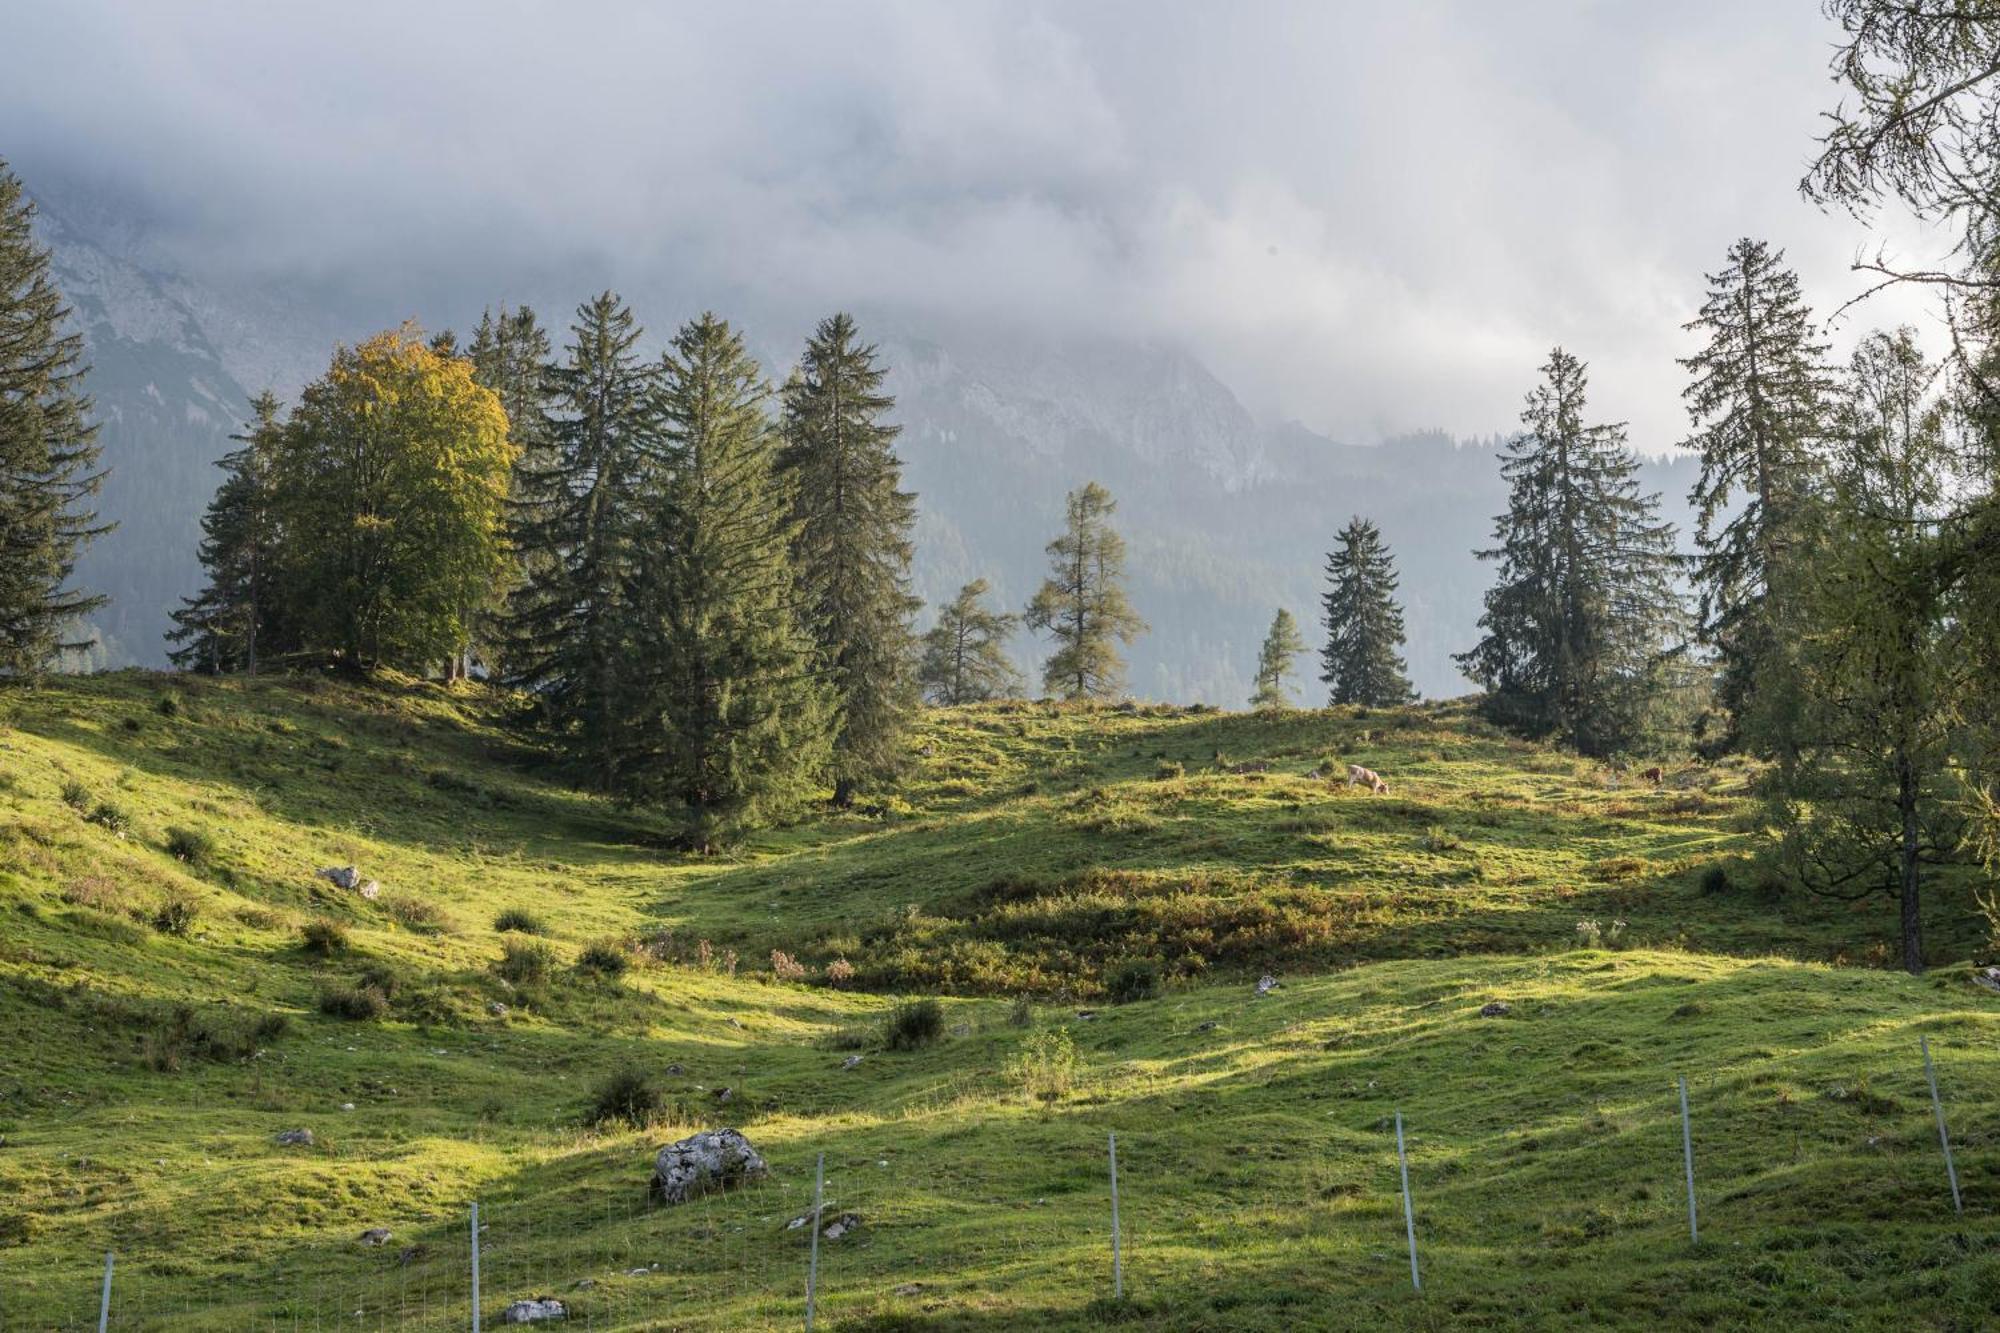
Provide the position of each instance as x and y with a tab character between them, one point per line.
164	1012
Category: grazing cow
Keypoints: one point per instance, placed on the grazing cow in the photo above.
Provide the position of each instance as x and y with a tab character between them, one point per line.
1653	775
1368	778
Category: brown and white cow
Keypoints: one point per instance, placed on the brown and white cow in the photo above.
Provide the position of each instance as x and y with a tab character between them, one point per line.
1366	777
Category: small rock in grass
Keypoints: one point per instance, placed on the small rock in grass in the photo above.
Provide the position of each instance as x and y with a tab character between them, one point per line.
841	1226
1988	977
1495	1009
534	1311
675	1071
1210	1026
375	1236
1268	983
347	1106
341	877
715	1159
1086	1015
907	1289
851	1062
495	1008
724	1094
295	1138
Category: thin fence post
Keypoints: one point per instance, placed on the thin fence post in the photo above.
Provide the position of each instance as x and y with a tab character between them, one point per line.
1944	1139
1687	1160
475	1266
1117	1256
104	1301
812	1265
1409	1212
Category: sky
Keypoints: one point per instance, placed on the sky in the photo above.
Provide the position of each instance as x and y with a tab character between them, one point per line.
1367	218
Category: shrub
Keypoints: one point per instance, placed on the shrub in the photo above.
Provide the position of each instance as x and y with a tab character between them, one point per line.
1133	980
323	936
168	706
787	968
190	846
520	920
1046	1067
629	1097
1716	880
360	1003
95	891
419	914
176	914
184	1033
381	977
75	795
1169	769
604	958
839	972
1021	1013
913	1024
525	962
112	817
1439	839
848	1039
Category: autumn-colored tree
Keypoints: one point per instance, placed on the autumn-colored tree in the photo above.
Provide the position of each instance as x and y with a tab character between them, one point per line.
389	483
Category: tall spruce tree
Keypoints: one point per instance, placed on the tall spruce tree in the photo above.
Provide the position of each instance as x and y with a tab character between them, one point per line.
1282	644
48	450
1082	603
510	355
1583	609
231	624
732	720
576	495
965	654
1876	790
851	548
1758	400
1362	662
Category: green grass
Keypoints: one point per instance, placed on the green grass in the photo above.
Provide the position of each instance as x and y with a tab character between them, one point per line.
1035	850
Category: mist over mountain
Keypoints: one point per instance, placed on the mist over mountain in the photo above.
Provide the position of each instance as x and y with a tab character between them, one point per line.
1226	518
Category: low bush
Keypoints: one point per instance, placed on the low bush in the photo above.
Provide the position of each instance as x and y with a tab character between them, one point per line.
525	962
359	1003
913	1024
607	959
176	914
1716	880
1136	979
418	914
1046	1067
839	972
323	936
520	921
629	1097
183	1034
192	847
75	795
787	968
111	817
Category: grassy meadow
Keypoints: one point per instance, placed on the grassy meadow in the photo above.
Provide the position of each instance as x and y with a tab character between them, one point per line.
1094	892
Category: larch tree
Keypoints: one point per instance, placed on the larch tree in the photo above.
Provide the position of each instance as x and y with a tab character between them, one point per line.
965	654
1877	790
1583	610
389	482
1758	402
1282	645
732	720
48	451
230	625
1362	662
851	524
1082	604
510	355
573	519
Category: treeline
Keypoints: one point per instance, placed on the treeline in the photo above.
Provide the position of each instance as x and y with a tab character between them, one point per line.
698	580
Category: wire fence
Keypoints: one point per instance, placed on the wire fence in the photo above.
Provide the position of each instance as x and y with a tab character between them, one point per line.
829	1233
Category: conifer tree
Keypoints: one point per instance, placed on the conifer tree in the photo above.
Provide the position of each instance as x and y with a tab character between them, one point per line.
1757	400
1082	603
965	654
48	450
388	484
1583	609
576	495
1875	792
851	548
230	625
731	722
1362	662
510	355
1274	662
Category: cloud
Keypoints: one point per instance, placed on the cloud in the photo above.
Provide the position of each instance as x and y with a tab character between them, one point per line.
1370	218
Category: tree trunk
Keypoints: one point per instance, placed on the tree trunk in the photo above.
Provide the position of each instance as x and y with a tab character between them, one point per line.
1913	925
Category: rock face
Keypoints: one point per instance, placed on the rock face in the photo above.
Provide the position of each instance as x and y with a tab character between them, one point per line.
534	1312
715	1159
